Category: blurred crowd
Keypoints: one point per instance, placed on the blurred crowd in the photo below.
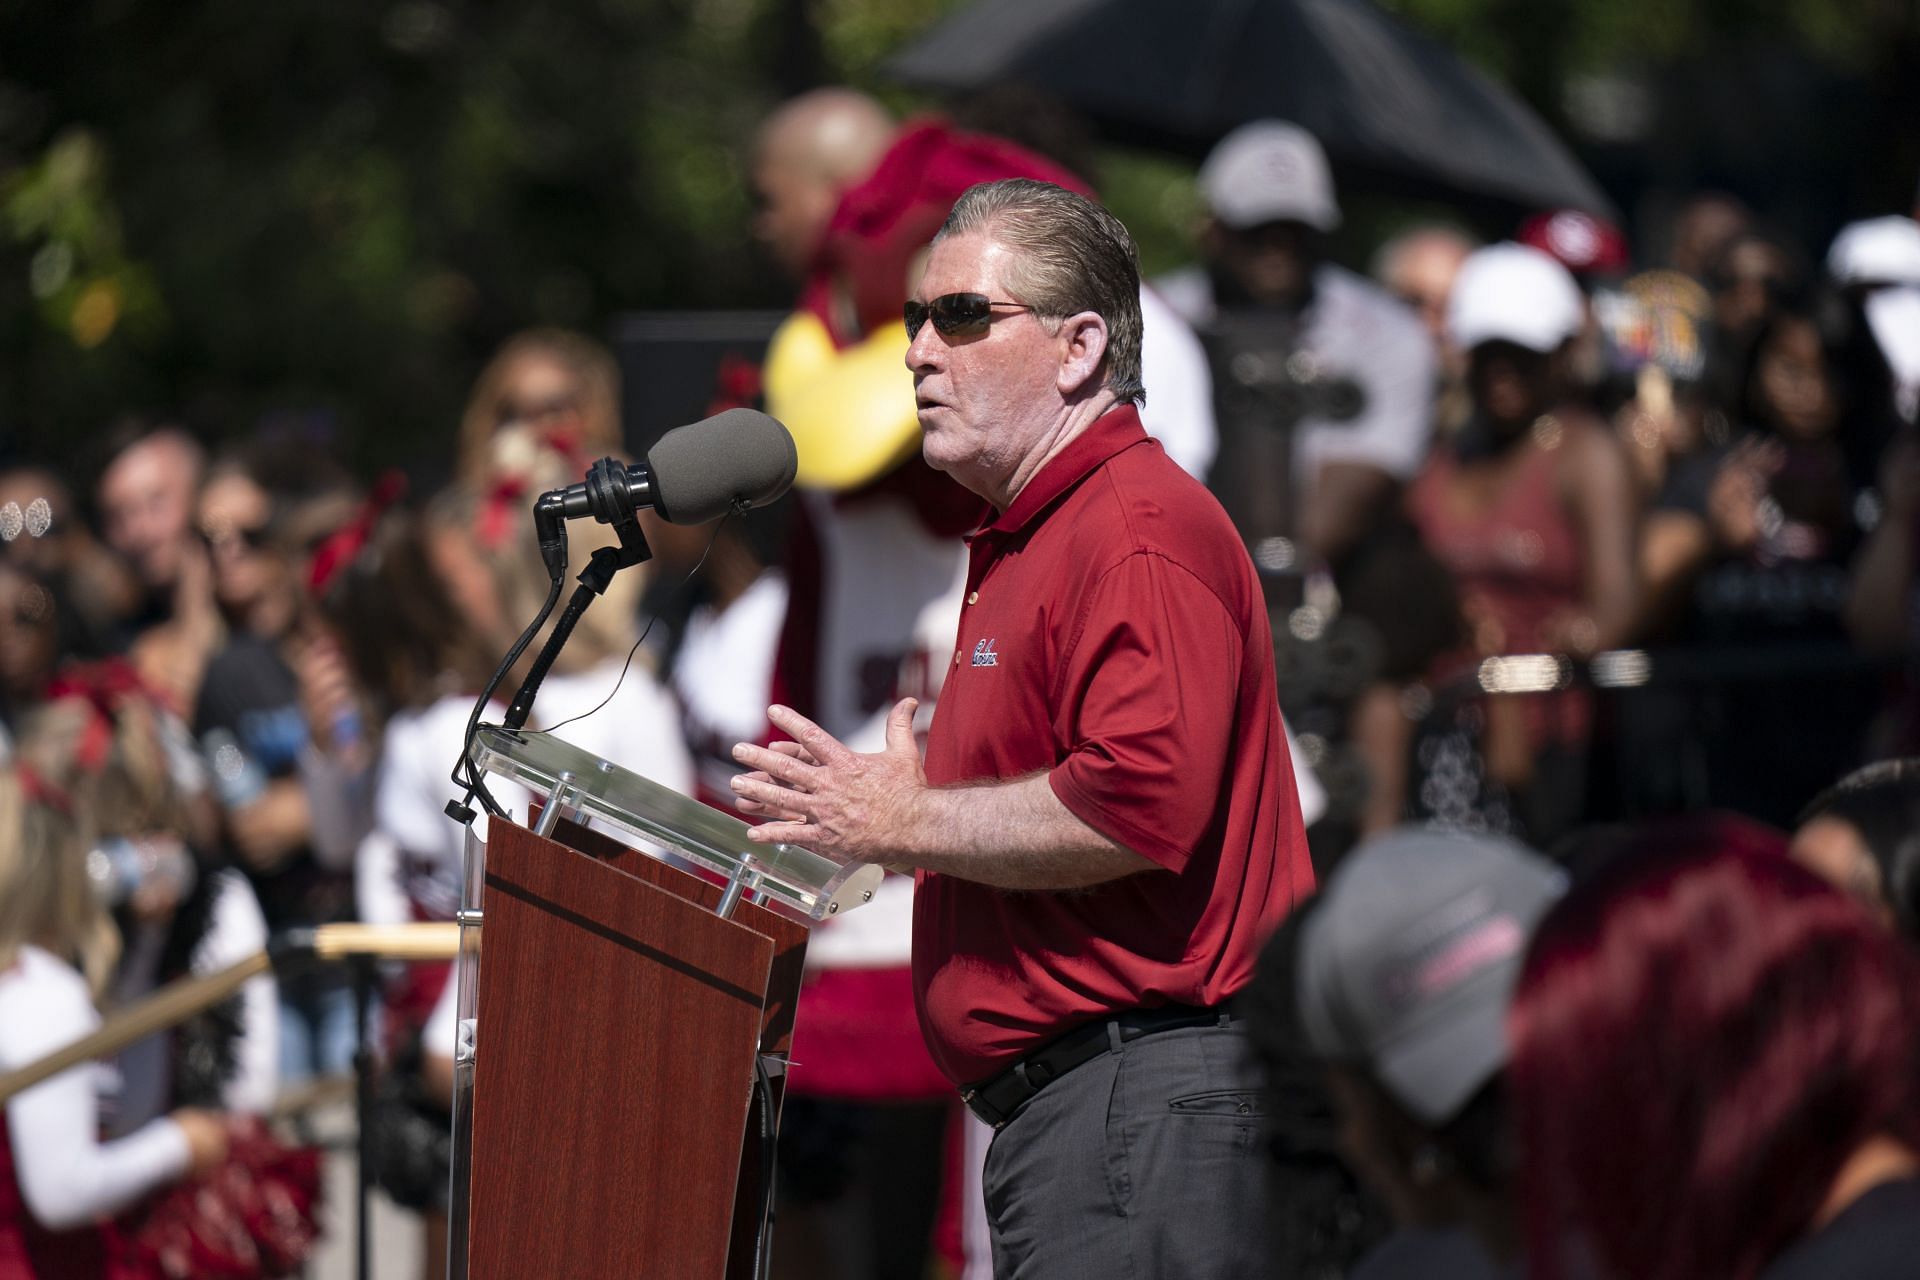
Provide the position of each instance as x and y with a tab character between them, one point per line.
1561	535
1608	538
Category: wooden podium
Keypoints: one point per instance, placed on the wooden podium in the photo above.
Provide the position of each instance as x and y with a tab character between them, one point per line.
617	1104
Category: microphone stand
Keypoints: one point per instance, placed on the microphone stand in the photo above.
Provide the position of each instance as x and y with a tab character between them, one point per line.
594	580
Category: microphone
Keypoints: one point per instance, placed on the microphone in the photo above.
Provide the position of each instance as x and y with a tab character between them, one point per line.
732	461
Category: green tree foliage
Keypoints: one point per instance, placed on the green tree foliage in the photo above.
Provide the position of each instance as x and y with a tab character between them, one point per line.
1534	46
222	209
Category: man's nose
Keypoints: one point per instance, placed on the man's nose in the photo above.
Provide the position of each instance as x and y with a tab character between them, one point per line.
924	351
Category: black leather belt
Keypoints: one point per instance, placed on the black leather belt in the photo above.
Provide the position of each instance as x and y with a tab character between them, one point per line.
996	1101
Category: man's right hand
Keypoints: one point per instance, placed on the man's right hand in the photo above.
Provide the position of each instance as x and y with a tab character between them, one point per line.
854	806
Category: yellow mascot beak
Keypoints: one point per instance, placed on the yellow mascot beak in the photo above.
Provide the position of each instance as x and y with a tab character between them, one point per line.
851	412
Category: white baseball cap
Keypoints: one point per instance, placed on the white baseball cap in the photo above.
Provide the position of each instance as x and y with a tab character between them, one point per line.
1876	251
1514	293
1269	171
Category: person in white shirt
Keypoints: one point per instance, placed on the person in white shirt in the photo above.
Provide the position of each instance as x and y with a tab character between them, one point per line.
1323	383
135	775
725	661
1877	262
59	1176
421	651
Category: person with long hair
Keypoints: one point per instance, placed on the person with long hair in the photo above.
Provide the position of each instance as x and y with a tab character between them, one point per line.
558	386
420	617
1712	1061
269	742
1748	547
419	662
104	738
57	952
602	694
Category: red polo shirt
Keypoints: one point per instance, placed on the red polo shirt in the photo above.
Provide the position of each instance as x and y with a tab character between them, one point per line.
1114	636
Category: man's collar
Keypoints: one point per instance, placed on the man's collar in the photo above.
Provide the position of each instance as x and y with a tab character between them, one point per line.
1112	432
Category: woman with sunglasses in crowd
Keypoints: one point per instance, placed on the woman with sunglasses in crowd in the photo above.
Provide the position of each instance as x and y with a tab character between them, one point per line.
277	723
561	388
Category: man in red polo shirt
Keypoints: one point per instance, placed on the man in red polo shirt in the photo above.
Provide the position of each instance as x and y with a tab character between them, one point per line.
1105	826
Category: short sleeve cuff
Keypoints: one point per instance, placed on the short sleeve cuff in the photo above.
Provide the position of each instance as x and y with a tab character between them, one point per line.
1094	810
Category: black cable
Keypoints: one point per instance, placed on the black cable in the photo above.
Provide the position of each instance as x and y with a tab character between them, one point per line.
769	1166
473	779
466	773
646	631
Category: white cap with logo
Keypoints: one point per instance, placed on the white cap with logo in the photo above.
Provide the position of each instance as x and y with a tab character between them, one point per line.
1514	293
1269	171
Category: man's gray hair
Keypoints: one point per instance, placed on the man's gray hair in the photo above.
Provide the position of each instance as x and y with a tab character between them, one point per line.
1069	255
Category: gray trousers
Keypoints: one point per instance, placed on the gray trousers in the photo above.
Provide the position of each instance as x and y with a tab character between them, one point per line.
1145	1162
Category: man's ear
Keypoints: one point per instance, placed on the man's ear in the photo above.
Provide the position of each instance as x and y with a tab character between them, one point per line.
1083	344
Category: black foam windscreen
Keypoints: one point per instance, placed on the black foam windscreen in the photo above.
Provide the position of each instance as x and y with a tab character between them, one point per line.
738	458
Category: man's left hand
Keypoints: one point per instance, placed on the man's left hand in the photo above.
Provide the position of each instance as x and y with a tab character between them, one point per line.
825	797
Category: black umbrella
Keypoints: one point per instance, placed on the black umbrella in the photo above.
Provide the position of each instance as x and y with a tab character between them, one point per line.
1396	110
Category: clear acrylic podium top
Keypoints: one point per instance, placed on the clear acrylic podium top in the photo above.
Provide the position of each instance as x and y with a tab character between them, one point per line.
805	882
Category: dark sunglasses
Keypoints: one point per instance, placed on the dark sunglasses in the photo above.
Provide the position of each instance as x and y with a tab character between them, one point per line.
955	315
535	410
255	537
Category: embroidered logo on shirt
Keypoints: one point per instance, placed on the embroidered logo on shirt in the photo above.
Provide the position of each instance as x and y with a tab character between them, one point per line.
984	656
